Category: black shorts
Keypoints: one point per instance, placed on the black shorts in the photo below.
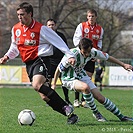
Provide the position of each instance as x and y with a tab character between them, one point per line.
90	66
38	66
53	65
98	78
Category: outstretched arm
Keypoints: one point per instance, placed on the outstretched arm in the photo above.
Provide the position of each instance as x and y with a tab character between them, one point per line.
116	61
4	59
56	76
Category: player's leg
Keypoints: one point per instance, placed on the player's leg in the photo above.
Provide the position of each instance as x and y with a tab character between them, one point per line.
55	101
84	88
37	73
65	91
109	105
90	99
76	101
52	70
89	68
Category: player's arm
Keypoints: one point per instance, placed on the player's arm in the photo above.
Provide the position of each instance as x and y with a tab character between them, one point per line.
77	35
56	76
100	40
63	65
12	52
54	39
116	61
4	59
104	56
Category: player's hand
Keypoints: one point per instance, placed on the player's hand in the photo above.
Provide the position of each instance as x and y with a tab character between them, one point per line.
72	61
128	67
53	86
4	59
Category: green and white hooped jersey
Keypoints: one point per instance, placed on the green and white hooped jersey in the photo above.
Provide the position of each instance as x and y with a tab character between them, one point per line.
77	71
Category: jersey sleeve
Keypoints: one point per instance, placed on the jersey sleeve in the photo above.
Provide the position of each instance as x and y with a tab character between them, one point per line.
100	39
13	50
77	35
54	39
99	54
64	64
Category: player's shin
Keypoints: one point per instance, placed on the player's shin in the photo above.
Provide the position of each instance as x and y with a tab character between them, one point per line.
109	105
90	101
56	102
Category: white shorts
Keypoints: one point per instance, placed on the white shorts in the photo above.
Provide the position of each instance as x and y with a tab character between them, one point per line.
69	84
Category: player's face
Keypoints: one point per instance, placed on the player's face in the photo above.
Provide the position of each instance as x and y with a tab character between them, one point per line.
86	52
24	17
51	24
91	18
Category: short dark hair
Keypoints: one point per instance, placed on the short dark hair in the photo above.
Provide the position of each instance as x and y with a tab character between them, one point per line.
92	11
85	43
28	7
51	19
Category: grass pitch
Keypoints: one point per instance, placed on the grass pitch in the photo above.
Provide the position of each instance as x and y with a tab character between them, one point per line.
13	100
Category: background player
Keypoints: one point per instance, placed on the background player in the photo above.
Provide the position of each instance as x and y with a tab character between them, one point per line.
57	56
99	72
93	31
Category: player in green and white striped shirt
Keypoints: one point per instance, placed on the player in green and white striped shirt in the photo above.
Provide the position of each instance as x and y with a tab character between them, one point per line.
75	78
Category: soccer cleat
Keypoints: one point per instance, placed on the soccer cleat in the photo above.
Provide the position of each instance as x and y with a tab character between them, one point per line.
76	103
99	117
72	119
125	118
68	110
84	104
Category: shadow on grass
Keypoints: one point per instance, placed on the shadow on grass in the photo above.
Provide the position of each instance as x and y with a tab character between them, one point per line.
110	122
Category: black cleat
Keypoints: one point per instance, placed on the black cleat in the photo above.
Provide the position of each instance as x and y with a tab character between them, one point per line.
68	110
72	119
99	117
125	118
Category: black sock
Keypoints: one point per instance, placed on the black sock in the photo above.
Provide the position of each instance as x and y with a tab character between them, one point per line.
65	90
76	95
82	99
56	102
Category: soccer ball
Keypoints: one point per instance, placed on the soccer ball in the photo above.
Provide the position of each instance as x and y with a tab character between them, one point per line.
26	117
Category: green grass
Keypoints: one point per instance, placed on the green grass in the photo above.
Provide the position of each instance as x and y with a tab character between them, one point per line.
13	100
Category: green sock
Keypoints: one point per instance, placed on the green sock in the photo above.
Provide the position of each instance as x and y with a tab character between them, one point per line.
90	101
112	108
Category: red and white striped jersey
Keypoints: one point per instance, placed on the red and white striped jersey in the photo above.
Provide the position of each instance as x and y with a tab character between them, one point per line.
33	41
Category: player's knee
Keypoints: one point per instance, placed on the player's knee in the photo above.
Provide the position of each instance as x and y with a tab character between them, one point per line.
44	98
36	86
47	91
86	88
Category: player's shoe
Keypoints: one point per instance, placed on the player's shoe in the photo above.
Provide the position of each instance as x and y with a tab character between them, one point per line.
68	110
125	118
99	117
72	119
76	103
84	104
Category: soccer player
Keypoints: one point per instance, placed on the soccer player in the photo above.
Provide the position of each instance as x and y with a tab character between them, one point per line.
89	29
100	69
57	56
34	42
75	78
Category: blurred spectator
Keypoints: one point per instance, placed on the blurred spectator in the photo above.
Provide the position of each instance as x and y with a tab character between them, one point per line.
99	72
